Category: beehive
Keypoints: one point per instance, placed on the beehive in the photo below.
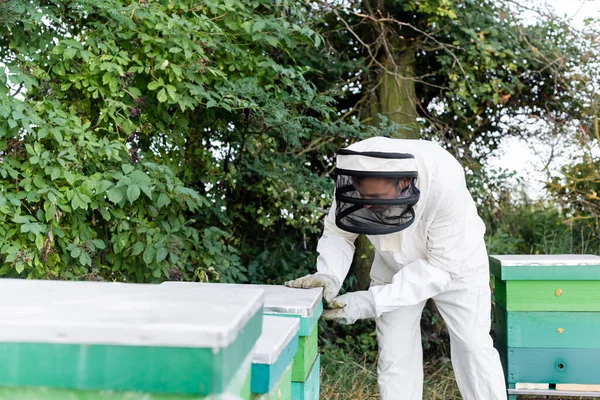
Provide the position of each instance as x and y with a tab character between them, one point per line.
109	341
272	362
547	320
305	305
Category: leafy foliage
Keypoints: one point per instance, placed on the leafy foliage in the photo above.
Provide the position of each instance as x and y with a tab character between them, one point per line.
158	140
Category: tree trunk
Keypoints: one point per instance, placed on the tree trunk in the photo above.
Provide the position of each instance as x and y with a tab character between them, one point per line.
395	98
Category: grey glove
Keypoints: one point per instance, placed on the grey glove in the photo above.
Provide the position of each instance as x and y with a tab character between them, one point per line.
350	307
330	284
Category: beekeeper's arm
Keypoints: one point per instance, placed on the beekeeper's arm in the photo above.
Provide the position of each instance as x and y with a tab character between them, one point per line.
336	249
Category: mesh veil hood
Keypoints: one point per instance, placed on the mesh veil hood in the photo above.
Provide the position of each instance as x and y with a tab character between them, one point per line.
359	211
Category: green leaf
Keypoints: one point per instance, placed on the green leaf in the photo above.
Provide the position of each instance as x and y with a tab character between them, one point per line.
135	91
161	254
172	91
149	254
139	177
247	26
273	41
69	53
152	211
85	259
78	202
155	84
146	189
105	214
50	213
55	174
133	192
115	195
102	186
85	55
127	168
162	96
22	219
84	197
137	248
19	267
259	25
69	176
163	200
76	252
99	244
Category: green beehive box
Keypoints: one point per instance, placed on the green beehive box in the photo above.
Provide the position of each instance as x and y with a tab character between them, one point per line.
116	341
272	360
306	305
310	388
547	320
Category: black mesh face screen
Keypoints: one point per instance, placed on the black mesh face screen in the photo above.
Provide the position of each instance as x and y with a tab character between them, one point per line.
373	204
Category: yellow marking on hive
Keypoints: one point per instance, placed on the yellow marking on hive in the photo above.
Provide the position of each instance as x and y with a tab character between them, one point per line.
558	292
561	330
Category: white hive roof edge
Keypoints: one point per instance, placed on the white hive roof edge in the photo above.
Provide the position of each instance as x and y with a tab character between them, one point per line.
547	260
123	314
278	299
277	333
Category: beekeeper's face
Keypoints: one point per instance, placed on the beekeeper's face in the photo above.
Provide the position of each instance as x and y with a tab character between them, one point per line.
380	189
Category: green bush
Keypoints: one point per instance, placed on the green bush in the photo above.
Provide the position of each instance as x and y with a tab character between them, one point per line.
156	140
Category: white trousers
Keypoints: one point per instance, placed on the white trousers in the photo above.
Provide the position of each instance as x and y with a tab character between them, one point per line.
466	309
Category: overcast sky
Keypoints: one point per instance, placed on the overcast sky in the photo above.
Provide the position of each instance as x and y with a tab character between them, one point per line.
518	155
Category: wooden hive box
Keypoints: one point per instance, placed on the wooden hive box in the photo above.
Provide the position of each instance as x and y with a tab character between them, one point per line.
116	341
305	305
272	361
547	322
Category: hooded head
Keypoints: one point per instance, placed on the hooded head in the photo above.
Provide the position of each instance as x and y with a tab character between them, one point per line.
375	190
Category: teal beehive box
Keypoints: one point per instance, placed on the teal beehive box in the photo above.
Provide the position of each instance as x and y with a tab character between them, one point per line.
310	388
547	320
304	305
116	341
272	361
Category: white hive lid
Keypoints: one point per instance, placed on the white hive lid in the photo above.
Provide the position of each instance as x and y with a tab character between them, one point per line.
547	260
279	299
277	333
285	300
124	314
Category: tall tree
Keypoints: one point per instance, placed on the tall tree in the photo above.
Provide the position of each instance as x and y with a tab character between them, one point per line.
455	72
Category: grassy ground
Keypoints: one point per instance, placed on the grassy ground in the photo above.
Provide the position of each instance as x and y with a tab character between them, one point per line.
343	377
348	377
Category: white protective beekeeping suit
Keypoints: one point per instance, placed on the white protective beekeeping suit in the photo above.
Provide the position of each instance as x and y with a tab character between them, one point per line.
441	255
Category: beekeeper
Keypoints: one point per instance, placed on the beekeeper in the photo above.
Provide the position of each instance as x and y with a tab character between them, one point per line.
409	197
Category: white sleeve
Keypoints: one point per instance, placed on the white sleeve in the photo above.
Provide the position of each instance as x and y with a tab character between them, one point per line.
335	248
449	241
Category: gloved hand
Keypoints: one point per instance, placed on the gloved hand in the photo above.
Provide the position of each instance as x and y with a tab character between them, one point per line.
330	284
350	307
